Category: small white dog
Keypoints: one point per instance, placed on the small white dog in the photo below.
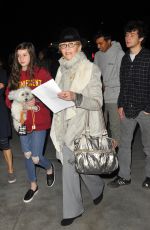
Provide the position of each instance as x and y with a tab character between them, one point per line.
20	97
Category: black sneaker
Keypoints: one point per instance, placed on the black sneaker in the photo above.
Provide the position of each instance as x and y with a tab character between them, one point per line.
69	221
146	183
29	195
50	178
118	181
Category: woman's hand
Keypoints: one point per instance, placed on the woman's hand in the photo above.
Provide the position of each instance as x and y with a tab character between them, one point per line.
31	102
1	85
67	95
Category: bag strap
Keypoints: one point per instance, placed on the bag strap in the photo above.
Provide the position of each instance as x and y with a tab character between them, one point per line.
101	117
87	123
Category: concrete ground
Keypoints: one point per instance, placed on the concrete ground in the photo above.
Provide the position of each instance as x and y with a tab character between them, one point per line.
125	208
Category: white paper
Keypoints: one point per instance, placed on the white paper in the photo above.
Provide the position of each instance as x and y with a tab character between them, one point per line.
47	93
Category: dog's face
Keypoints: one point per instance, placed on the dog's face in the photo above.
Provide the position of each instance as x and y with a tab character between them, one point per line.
21	95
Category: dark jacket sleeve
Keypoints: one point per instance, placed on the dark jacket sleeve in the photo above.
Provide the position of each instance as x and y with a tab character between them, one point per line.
121	94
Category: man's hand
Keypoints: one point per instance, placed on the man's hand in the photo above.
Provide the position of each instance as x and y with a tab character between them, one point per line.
121	113
146	113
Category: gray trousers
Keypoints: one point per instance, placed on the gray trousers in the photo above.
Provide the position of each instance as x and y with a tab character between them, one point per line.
72	198
111	115
124	153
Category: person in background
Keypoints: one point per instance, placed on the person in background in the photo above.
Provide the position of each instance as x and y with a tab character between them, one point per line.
5	127
26	73
47	59
108	58
44	60
80	82
134	102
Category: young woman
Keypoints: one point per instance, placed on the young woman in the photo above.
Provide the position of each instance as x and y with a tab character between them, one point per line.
5	128
80	82
26	73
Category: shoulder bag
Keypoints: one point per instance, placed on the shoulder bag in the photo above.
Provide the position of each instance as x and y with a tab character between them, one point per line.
94	154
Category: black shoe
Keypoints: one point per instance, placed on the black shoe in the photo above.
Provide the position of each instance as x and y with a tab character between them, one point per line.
146	183
29	195
68	221
50	178
97	200
118	181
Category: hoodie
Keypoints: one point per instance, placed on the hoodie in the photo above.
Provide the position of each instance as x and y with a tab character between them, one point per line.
109	63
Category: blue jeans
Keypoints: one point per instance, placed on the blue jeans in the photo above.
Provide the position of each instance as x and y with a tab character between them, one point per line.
34	143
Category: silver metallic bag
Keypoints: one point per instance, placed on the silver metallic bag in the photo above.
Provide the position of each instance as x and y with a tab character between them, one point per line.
95	154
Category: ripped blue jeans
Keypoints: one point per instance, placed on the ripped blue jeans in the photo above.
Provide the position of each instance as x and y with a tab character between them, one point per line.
32	146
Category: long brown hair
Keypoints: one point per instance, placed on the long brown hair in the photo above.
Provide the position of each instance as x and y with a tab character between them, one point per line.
16	67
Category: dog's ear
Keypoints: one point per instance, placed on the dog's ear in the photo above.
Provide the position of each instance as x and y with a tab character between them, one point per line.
11	95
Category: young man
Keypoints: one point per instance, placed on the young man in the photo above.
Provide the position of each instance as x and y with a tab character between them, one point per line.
134	102
108	58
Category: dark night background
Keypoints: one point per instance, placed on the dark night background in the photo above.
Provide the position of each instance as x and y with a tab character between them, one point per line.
34	22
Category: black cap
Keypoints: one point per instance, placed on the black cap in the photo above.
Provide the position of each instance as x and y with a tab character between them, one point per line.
69	34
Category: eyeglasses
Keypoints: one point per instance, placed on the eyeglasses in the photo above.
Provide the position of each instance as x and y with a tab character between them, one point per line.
69	45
